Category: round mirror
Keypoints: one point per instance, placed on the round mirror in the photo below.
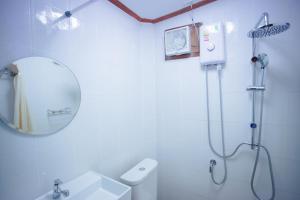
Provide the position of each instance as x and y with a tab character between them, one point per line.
39	96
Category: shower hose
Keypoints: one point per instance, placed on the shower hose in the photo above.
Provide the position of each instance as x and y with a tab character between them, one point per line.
223	155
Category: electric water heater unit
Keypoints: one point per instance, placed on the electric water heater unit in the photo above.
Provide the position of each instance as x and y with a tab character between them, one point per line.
212	44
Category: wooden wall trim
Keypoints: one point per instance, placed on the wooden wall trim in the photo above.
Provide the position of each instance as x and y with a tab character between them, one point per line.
162	18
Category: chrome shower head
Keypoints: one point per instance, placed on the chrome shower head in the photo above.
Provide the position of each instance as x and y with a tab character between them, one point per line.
268	30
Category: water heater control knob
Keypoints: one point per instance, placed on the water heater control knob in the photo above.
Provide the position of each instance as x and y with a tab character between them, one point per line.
210	46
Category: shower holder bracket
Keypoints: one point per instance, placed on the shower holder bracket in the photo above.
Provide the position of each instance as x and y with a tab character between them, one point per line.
256	88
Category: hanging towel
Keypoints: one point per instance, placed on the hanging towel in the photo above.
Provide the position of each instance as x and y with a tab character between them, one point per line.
22	119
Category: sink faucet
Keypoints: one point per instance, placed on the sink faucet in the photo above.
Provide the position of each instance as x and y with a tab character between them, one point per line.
57	191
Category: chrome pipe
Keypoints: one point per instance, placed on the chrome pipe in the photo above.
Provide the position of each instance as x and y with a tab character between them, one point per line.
80	7
253	96
69	13
265	18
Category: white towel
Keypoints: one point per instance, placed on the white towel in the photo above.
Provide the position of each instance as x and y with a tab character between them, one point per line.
22	119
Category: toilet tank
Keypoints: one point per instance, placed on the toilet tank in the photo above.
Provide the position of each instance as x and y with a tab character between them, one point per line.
143	180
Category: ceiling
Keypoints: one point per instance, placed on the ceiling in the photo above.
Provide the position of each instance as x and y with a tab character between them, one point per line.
153	11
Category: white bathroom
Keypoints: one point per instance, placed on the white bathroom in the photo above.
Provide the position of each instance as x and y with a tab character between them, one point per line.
149	100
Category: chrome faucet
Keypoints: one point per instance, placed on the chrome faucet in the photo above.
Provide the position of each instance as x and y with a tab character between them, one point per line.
57	191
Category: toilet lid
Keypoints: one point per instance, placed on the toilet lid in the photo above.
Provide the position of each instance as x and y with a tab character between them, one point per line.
138	173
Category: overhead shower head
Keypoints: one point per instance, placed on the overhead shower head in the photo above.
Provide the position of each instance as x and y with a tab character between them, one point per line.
268	30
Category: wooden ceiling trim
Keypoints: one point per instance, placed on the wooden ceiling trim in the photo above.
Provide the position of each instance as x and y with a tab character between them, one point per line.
162	18
126	9
183	10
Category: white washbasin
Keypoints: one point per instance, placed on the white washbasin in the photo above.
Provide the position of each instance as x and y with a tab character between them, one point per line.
93	186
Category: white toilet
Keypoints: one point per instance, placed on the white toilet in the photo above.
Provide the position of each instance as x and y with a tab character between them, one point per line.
142	178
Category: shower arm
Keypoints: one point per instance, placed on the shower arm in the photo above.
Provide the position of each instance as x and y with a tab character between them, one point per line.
264	17
69	13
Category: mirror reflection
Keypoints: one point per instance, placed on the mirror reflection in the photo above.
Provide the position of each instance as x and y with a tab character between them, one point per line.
38	95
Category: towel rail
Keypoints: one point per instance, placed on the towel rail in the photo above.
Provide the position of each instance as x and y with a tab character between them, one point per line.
64	111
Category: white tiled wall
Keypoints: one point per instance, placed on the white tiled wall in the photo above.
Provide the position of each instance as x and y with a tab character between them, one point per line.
136	105
183	151
115	126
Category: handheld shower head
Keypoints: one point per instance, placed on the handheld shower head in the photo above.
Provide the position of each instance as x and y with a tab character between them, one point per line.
263	59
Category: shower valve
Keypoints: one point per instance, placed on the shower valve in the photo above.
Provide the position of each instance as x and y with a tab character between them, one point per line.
254	59
253	125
